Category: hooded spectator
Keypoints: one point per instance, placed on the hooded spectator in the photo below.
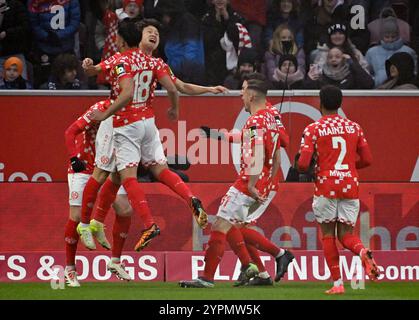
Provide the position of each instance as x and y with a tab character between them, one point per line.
247	63
287	75
181	41
219	18
400	73
338	37
390	44
340	70
12	75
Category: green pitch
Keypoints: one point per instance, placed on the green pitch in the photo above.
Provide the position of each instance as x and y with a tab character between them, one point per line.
165	290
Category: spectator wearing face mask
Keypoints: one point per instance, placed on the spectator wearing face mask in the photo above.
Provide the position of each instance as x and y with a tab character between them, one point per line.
341	71
390	43
12	75
283	42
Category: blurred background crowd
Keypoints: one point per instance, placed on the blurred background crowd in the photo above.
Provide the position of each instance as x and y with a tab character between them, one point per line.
297	44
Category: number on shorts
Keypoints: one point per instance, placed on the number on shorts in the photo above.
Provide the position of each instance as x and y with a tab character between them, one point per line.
336	141
142	83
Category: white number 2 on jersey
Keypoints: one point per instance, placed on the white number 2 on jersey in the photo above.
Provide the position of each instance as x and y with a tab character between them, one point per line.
142	83
336	141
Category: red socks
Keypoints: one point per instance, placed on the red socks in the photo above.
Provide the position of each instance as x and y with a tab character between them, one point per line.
71	238
332	256
352	243
105	199
174	182
89	197
254	238
214	253
120	234
138	201
236	241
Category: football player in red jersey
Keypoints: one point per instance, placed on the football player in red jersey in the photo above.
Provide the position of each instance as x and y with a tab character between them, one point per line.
149	29
133	124
336	142
255	241
247	199
80	142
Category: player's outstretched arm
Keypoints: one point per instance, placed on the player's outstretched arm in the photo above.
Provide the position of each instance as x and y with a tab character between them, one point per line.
173	96
194	89
70	137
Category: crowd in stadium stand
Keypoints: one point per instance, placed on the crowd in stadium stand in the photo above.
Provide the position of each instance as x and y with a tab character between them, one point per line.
297	44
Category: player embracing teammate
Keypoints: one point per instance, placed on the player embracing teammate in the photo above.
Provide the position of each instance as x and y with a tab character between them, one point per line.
335	143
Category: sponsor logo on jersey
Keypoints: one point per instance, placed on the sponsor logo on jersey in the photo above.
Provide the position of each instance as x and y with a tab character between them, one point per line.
120	70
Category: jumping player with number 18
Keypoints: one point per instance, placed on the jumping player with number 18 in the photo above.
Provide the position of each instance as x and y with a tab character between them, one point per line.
336	142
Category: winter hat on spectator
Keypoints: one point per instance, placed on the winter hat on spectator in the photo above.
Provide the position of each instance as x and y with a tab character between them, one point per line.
389	26
14	60
337	27
127	2
288	57
247	55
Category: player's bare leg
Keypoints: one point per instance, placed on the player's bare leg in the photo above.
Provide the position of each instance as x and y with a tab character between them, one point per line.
139	203
89	197
352	242
331	254
214	254
120	230
71	241
162	173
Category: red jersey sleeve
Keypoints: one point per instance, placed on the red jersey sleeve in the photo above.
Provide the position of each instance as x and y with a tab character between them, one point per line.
363	150
306	149
121	69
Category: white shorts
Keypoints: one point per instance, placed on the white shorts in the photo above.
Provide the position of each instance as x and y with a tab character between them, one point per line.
138	141
238	208
105	151
76	184
342	210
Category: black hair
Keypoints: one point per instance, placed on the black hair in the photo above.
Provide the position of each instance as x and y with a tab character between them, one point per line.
129	32
258	85
254	76
144	23
330	97
63	62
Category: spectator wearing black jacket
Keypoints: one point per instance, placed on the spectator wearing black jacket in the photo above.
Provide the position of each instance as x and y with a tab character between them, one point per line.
14	32
340	70
216	22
